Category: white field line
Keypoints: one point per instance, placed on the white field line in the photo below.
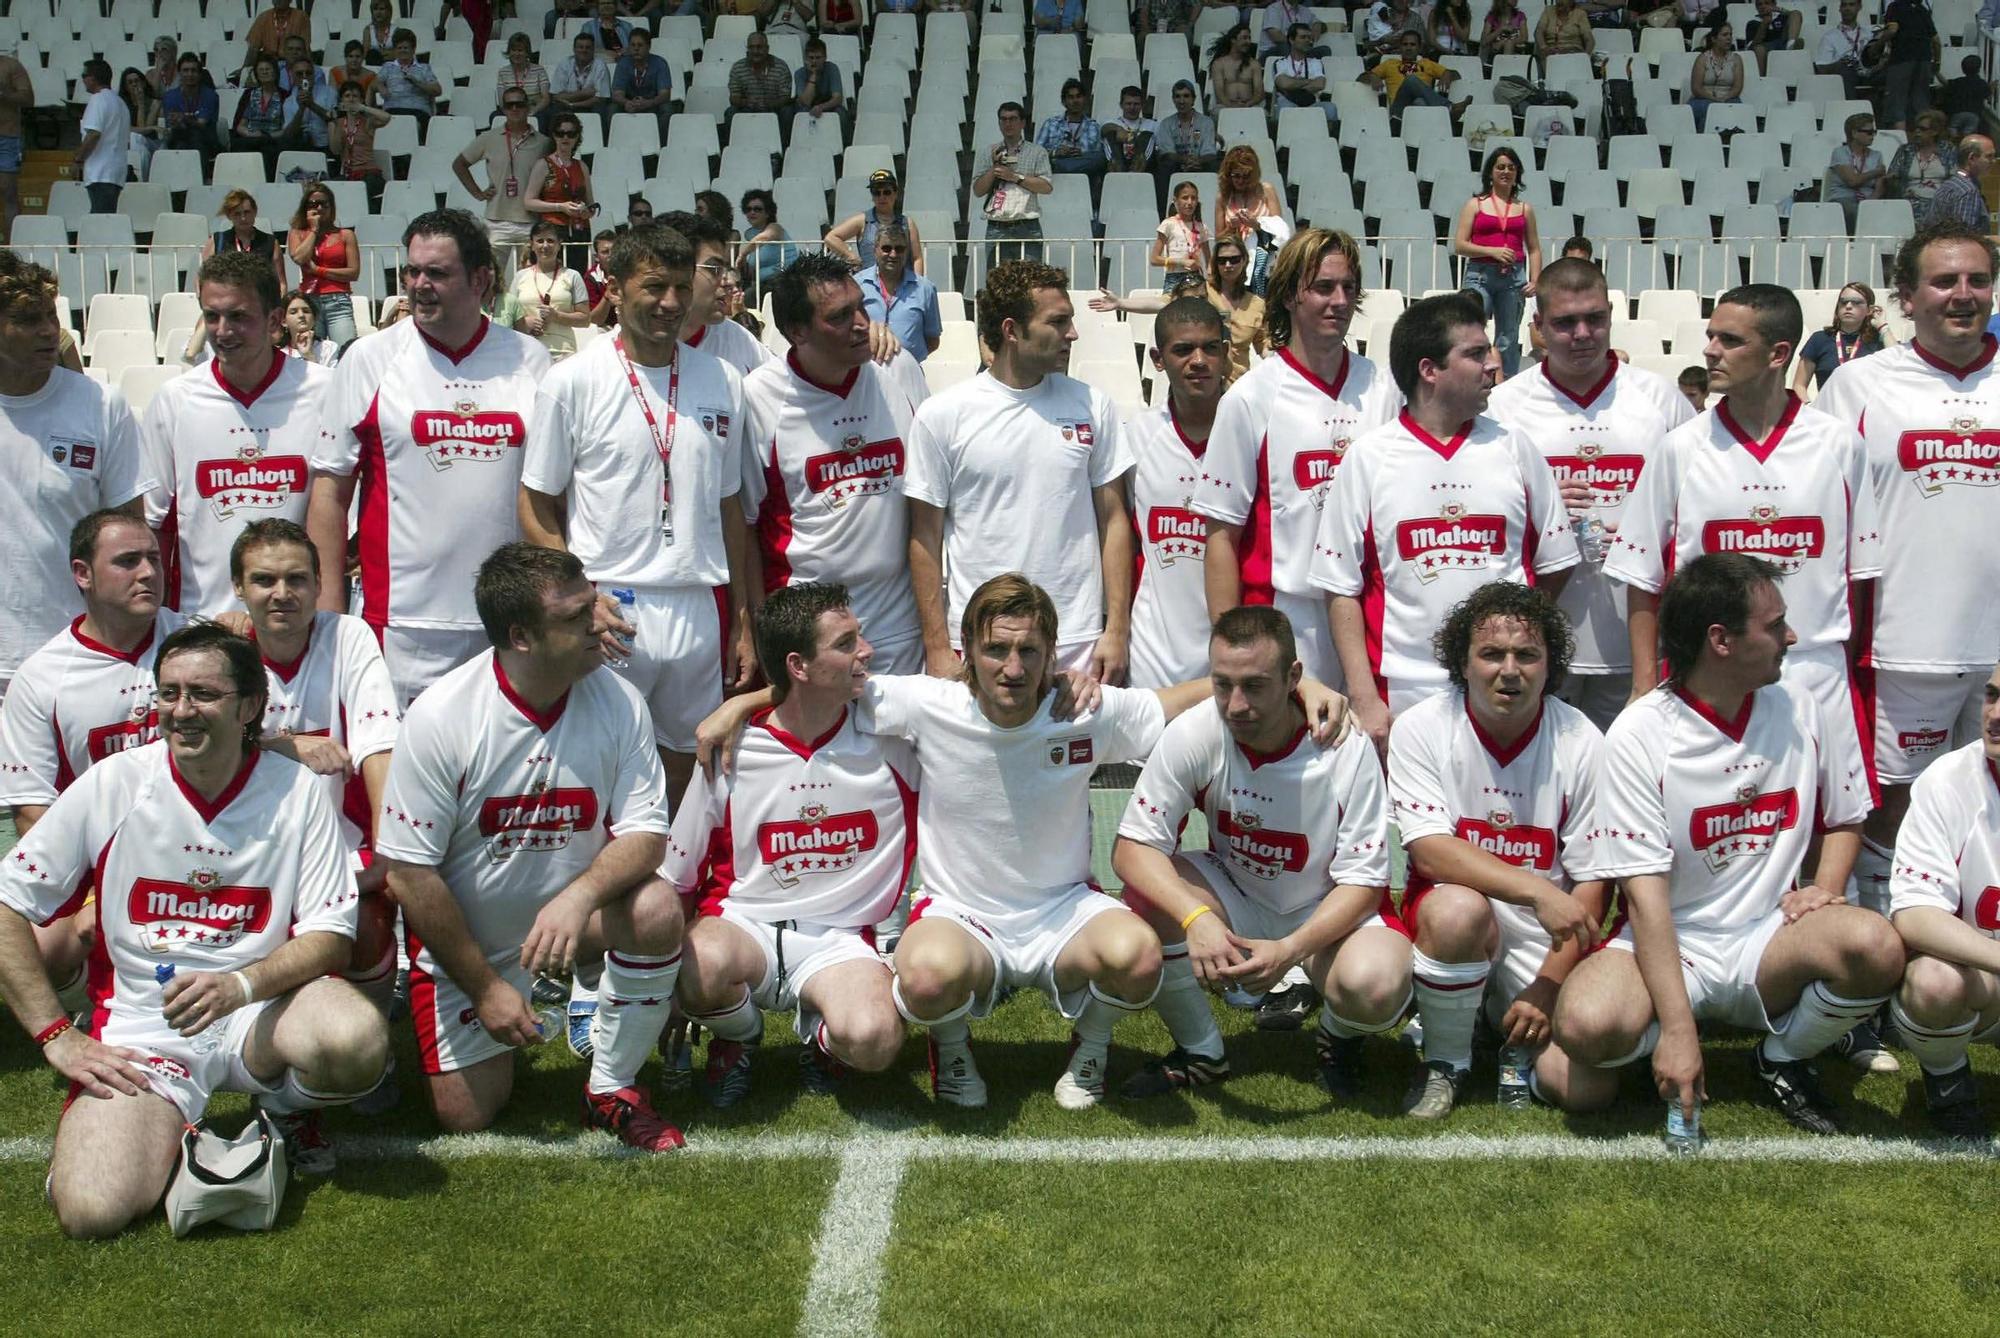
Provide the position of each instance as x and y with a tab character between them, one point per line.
845	1293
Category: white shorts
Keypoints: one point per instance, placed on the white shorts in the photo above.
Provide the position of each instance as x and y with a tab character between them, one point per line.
1247	917
449	1036
1307	615
1599	696
1720	970
187	1070
676	660
1822	671
1024	945
897	657
1515	967
1074	656
1918	718
419	656
794	952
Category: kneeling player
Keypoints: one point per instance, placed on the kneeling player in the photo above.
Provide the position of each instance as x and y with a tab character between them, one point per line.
1493	785
224	900
1297	864
1712	786
795	853
1944	890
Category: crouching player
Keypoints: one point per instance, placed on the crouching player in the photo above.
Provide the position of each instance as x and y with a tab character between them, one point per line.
794	853
224	900
1297	864
1493	785
1944	895
1711	789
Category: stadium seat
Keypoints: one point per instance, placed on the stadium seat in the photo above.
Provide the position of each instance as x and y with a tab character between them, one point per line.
138	382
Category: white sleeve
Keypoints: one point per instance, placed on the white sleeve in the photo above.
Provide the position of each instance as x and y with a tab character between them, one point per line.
1128	723
156	448
1632	836
928	477
326	899
1637	553
30	747
1417	762
1229	465
638	798
734	443
1110	457
43	875
894	704
1925	869
420	800
693	832
1865	548
1845	796
548	458
96	115
1344	531
366	693
1362	857
1842	396
1548	519
757	461
1580	756
355	384
1164	794
125	474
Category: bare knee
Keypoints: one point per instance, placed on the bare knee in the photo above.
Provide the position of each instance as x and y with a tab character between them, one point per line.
85	1213
1596	1026
931	978
1454	924
1872	959
1131	955
1369	986
657	927
462	1113
869	1039
1934	992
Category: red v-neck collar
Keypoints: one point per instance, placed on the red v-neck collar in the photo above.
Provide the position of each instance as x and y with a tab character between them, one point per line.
1987	347
1290	746
246	398
694	340
1761	450
1588	397
1447	449
211	811
1333	389
1732	728
767	720
798	369
1504	754
286	670
1195	448
457	355
544	721
131	656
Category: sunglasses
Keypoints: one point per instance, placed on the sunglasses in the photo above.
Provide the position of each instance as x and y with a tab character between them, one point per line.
881	190
515	106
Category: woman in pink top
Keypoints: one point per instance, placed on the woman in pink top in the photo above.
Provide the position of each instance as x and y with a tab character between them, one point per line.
1496	234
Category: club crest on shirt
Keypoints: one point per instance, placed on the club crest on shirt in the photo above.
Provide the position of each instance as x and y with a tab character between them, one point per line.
1313	471
1497	835
1071	752
1964	455
1075	429
1262	851
1176	532
1748	825
714	420
542	819
78	455
465	432
1453	540
817	841
200	911
1789	541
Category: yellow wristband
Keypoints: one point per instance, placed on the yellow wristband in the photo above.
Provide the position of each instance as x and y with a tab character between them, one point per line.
1195	914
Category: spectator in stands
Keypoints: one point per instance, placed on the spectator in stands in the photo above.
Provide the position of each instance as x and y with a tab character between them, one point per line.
1168	16
1855	171
1965	97
190	109
1060	16
522	71
767	247
1244	201
965	7
729	302
1184	142
562	9
1074	140
895	295
638	213
1855	332
854	238
1715	76
1497	235
269	30
165	70
559	189
478	16
1386	22
299	337
1912	60
1128	141
608	31
1228	291
1505	32
260	116
596	282
1408	79
1010	176
1852	50
1696	15
350	139
816	87
378	39
1235	75
510	151
898	7
1180	244
760	82
1563	28
582	84
1451	28
16	94
1922	165
1693	383
1773	29
713	204
1961	199
792	18
329	261
1298	78
144	109
554	301
101	154
839	16
295	51
642	82
354	70
243	234
307	109
406	86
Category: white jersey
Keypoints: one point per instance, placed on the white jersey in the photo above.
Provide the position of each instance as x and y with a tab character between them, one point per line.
1602	437
433	437
1279	437
590	440
182	882
1948	848
221	457
733	344
338	688
1532	803
823	474
1724	809
1013	471
1416	524
1003	823
75	702
1799	498
510	805
1289	827
1170	606
67	450
821	830
1933	441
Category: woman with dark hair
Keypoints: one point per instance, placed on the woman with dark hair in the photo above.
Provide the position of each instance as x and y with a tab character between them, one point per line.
853	239
1855	332
1505	32
260	116
1716	75
350	139
1228	291
1496	233
554	298
299	338
329	261
558	190
1451	28
768	248
144	107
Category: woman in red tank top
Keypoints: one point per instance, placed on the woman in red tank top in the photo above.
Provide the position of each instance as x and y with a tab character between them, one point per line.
559	185
329	261
1496	234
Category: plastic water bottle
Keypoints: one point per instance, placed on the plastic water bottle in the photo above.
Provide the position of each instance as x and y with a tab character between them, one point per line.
209	1036
1589	529
1516	1063
678	1050
1683	1137
628	604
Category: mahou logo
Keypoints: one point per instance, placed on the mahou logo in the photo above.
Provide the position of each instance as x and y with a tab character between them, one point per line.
1922	740
1748	825
1964	455
1450	541
141	726
1524	847
1610	476
860	468
198	912
466	432
1789	541
252	481
1313	471
1263	851
1175	532
818	841
542	819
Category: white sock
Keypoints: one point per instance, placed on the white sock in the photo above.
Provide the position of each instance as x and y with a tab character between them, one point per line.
633	1005
1820	1018
1183	1006
1100	1014
740	1021
951	1031
1939	1050
1346	1028
1448	998
294	1096
1871	877
583	981
377	984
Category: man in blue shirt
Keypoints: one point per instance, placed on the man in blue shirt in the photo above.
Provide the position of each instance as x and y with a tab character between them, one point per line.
899	297
188	111
642	82
1074	140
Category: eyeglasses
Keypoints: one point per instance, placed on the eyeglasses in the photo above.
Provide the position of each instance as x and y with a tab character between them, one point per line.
168	696
1865	130
515	106
714	269
881	190
569	134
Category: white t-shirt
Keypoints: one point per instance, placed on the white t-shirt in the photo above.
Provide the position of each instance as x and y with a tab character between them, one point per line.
73	703
1279	437
201	886
1724	808
1426	522
1603	437
223	457
1003	823
821	830
107	114
823	470
1170	607
590	440
1932	434
564	292
433	437
1013	471
510	806
1289	827
1948	848
338	688
67	450
1800	498
733	344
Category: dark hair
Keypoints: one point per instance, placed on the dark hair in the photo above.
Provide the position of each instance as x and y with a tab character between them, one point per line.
1295	29
1008	595
475	249
265	534
1423	333
1184	84
356	44
562	118
648	244
788	624
99	69
1071	86
511	582
1132	91
1011	106
125	76
402	35
1713	588
763	197
1578	243
699	229
239	655
22	282
83	534
1247	624
1451	644
1777	315
1486	170
1903	273
1190	310
814	44
792	290
241	269
311	191
1970	65
298	295
1571	275
351	86
716	205
544	228
1696	375
1224	43
1009	294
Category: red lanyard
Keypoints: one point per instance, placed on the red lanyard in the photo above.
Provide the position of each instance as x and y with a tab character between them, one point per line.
663	441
